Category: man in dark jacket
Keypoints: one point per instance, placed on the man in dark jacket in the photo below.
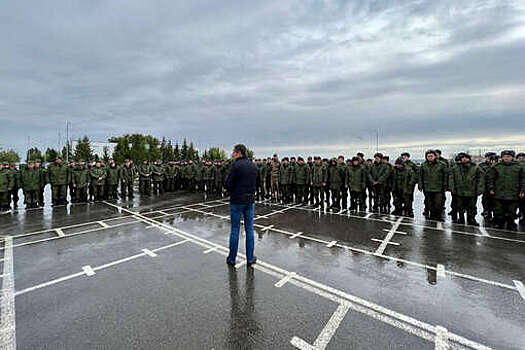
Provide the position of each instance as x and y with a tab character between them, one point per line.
241	183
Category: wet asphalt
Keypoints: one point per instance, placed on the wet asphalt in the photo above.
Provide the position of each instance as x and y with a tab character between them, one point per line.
186	297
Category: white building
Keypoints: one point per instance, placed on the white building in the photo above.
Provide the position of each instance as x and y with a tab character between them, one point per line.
98	147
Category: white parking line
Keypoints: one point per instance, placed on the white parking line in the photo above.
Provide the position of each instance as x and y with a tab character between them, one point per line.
328	331
285	279
59	232
7	302
520	287
331	244
381	249
383	241
207	251
149	253
441	342
242	263
88	270
103	224
440	271
295	235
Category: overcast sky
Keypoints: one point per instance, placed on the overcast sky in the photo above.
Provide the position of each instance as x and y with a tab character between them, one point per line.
316	77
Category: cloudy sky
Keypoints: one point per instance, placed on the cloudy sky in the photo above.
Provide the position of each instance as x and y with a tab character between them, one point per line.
319	77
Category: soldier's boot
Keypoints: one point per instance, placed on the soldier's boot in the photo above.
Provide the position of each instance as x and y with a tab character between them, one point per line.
511	225
454	216
471	220
461	218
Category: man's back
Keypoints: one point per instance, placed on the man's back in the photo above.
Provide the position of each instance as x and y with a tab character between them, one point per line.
241	181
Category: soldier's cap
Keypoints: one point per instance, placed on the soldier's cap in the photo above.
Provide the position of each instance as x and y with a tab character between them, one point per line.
300	158
508	152
5	163
430	151
30	162
292	157
400	161
38	161
341	157
349	160
405	154
521	154
437	151
386	158
458	157
58	157
466	155
333	159
380	155
309	158
360	154
325	159
355	158
285	159
490	154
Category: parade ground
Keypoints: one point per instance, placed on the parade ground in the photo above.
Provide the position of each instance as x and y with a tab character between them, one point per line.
150	273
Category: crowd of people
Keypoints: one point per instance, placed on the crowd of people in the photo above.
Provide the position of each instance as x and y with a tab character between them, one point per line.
355	184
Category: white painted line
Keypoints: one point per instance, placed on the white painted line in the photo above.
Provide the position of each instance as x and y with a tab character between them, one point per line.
7	303
285	279
59	232
383	241
368	215
328	331
331	244
440	271
103	224
88	270
439	225
397	232
170	245
390	234
207	251
520	287
295	235
242	263
149	253
148	227
267	228
441	342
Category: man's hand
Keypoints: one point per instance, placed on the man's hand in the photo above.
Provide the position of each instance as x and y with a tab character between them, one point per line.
522	195
492	192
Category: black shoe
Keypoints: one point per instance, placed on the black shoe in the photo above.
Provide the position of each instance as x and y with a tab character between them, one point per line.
254	261
229	262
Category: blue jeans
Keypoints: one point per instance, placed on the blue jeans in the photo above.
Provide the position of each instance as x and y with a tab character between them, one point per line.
236	211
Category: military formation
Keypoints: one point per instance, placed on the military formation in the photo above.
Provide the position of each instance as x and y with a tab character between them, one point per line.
376	184
357	185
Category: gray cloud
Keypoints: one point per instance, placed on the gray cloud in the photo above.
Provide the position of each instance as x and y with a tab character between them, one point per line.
286	75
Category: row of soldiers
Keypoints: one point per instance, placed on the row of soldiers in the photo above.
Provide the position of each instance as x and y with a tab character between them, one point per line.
347	185
97	181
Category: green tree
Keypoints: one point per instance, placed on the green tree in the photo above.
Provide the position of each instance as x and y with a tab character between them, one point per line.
105	154
163	150
215	153
169	152
137	147
51	155
176	152
83	149
193	154
9	156
184	150
66	153
33	154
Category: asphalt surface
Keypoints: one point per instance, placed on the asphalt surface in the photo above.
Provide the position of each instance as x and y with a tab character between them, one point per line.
150	273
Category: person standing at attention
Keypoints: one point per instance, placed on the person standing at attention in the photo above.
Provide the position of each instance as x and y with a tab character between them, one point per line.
241	183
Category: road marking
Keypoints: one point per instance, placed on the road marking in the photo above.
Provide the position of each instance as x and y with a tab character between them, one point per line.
88	270
397	232
328	331
285	279
103	224
207	251
440	270
389	235
267	228
520	287
439	225
331	244
366	252
368	215
149	253
295	235
59	232
7	303
242	263
441	342
382	241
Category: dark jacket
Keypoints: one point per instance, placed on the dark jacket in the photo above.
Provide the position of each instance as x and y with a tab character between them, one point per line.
241	181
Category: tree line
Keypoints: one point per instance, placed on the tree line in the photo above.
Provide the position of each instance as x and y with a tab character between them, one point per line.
136	146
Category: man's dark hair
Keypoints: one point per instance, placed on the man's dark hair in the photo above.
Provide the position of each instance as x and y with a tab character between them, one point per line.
240	148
